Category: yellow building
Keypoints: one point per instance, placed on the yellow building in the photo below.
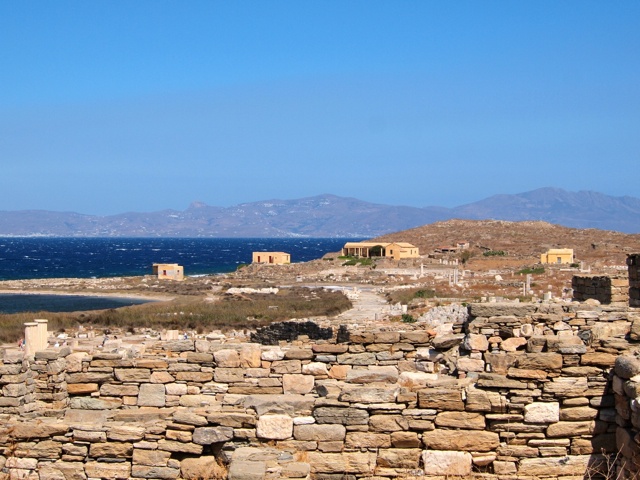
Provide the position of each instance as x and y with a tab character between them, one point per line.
395	250
398	250
168	271
557	255
273	258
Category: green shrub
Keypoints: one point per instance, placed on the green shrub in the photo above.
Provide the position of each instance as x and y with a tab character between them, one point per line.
407	318
494	253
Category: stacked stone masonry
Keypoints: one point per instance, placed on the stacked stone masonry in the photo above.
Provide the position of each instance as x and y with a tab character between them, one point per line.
604	288
633	262
518	390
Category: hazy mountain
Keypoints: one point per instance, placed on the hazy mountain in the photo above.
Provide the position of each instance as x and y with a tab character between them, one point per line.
328	216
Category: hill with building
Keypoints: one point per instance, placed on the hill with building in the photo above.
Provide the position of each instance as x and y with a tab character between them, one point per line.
328	216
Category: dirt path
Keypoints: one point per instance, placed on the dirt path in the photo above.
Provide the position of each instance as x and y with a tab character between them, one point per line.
367	305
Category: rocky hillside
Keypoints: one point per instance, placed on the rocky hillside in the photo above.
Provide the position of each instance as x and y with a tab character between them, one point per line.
523	240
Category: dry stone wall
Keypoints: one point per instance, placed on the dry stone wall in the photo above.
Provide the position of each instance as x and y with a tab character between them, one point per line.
604	288
522	390
633	262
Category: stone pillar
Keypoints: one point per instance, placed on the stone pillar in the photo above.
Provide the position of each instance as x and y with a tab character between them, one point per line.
42	333
31	340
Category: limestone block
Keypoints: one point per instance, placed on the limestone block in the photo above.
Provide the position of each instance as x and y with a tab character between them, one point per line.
319	432
405	439
93	403
362	359
126	433
504	468
48	449
399	458
540	361
88	377
388	423
476	342
341	415
570	429
290	404
512	344
299	353
209	435
566	387
315	368
228	358
151	395
161	377
373	374
415	380
89	436
199	377
179	447
175	388
272	354
138	375
542	412
197	400
144	471
578	413
232	419
203	467
356	440
599	359
466	420
274	427
461	440
359	394
485	401
339	372
466	364
189	418
111	450
346	462
111	390
555	466
297	383
447	463
153	458
62	470
286	366
199	357
441	398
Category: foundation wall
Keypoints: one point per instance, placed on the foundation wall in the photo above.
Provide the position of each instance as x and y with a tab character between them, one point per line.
606	289
518	390
633	261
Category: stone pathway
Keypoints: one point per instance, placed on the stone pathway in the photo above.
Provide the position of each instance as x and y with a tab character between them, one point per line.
367	305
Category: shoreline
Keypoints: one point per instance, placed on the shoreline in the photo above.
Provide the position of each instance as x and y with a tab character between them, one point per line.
134	296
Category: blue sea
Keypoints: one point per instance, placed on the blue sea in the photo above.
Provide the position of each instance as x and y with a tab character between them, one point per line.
28	258
33	258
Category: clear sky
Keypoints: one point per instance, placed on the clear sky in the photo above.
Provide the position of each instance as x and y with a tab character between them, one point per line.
115	106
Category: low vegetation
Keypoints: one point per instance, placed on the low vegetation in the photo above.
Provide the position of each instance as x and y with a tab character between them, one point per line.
228	313
350	261
405	296
531	271
494	253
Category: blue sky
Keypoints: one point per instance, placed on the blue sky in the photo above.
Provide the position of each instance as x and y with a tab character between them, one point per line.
116	106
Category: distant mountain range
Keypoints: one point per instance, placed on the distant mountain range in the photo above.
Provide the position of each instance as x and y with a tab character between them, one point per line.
329	216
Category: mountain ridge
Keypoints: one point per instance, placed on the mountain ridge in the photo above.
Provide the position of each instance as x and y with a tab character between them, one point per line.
329	215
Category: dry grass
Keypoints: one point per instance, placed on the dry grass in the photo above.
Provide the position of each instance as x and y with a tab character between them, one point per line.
230	312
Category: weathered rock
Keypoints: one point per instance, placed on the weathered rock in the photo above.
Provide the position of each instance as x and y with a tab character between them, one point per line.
447	463
209	435
274	427
465	420
542	412
461	440
151	395
319	432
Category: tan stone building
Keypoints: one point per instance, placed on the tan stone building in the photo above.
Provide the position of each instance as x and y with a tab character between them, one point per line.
168	271
395	250
557	255
273	258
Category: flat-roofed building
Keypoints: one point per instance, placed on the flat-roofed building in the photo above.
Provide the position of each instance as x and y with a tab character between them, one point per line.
168	271
557	255
272	258
395	250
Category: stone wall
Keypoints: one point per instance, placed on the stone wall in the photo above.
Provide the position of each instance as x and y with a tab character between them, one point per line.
626	388
633	261
516	390
604	288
